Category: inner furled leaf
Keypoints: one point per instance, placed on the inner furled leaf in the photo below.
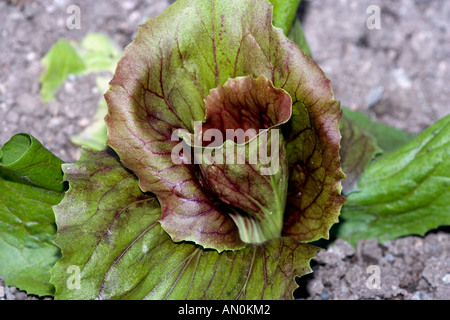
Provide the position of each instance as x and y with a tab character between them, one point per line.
249	170
109	231
255	191
160	86
59	62
246	105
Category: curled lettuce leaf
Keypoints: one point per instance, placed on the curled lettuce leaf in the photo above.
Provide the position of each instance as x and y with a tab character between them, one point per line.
160	86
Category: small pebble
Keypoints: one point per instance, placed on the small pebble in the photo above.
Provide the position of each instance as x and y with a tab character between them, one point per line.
21	295
50	8
30	56
389	257
84	122
9	293
60	3
128	5
419	295
446	278
325	295
375	95
402	78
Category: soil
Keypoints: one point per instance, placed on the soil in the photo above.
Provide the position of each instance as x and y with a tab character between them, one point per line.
397	74
409	268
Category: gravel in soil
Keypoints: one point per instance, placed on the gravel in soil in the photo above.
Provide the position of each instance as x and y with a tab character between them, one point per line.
409	268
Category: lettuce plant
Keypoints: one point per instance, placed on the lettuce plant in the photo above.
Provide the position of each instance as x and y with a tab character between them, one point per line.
202	55
170	228
224	163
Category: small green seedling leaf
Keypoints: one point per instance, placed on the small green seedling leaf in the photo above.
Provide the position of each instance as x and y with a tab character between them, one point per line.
96	53
59	62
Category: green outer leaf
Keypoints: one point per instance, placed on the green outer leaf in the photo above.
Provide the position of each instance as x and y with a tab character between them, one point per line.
388	138
159	86
405	192
60	61
109	229
357	150
284	12
27	223
297	35
25	160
